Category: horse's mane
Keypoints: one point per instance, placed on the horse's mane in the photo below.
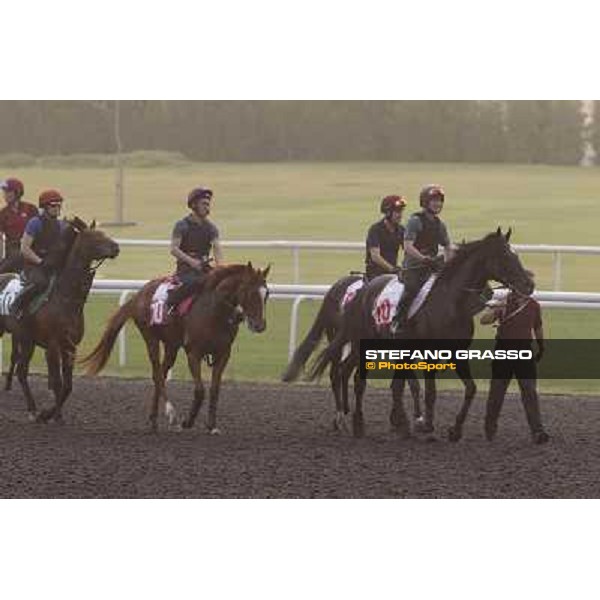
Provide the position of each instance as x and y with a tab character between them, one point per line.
219	274
464	252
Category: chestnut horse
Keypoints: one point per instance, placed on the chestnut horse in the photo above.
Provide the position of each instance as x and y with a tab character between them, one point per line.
228	295
58	325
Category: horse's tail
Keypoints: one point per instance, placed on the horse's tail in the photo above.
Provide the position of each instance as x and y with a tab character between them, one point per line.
332	353
308	345
345	334
96	360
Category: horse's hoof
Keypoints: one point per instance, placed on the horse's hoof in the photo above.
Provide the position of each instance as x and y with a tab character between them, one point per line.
358	429
214	431
402	433
454	434
540	437
32	417
490	432
58	419
422	427
430	438
44	416
186	424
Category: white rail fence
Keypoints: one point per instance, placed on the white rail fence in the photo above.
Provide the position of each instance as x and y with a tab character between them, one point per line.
300	293
297	246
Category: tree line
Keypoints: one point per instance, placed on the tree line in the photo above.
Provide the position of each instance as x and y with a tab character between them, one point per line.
535	132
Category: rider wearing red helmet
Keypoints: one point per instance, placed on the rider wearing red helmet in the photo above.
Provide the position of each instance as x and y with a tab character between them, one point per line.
425	233
192	240
384	238
40	248
13	218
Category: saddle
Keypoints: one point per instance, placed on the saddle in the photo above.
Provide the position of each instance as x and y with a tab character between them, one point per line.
386	303
158	307
11	287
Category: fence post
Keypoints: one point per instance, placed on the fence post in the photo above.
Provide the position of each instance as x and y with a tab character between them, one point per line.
122	340
294	326
557	271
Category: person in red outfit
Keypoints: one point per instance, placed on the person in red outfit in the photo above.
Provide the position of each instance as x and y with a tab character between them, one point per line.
519	321
13	219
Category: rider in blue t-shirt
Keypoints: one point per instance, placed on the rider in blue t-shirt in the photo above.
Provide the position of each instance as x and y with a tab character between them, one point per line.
40	247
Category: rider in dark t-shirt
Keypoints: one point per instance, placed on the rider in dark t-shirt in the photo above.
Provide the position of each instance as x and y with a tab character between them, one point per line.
385	238
425	232
192	240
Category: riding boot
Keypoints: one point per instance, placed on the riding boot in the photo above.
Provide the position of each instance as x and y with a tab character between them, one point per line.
176	296
401	317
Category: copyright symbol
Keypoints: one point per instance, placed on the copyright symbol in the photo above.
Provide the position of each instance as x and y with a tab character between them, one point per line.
370	366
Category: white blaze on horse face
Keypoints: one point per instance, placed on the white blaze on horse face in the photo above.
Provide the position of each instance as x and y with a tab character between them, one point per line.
263	294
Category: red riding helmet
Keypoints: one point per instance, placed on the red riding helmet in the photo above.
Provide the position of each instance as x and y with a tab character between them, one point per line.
198	194
392	203
50	198
429	192
13	185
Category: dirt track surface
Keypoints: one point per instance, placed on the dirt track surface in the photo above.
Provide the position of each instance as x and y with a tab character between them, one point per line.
277	442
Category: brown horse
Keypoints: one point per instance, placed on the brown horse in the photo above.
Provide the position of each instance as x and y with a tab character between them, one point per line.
328	323
58	325
228	295
447	314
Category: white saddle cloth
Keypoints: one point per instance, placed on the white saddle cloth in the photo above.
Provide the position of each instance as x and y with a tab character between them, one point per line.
158	306
351	292
9	293
386	304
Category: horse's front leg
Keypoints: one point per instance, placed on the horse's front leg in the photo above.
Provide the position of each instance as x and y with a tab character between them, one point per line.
168	362
26	348
14	359
464	372
67	363
398	419
221	360
195	366
430	393
55	382
358	420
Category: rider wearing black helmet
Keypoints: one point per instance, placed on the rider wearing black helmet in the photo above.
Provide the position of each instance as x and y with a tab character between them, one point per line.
191	243
385	238
424	233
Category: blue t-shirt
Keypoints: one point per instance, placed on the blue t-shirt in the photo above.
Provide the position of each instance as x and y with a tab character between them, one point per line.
35	224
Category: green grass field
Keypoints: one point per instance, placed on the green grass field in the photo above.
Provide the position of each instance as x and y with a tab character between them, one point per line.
331	201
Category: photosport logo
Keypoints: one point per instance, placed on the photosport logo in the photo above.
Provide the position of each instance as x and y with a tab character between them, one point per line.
561	359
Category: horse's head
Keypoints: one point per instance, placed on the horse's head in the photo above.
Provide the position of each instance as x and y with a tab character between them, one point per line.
502	264
93	244
252	297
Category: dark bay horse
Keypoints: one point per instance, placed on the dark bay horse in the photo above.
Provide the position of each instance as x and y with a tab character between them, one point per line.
58	325
228	295
446	314
328	322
